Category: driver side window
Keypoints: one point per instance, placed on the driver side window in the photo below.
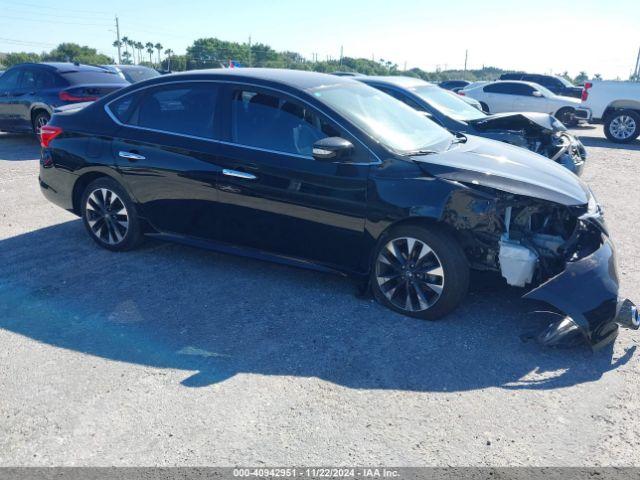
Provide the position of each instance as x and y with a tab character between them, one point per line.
276	123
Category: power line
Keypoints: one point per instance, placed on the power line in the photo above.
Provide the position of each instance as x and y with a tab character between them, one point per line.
39	7
57	23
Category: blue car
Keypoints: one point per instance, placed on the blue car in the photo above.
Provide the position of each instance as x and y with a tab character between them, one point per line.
30	92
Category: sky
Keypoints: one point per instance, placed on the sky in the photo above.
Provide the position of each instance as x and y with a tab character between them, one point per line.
597	36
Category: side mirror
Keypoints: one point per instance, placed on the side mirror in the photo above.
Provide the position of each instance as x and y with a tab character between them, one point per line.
331	149
536	93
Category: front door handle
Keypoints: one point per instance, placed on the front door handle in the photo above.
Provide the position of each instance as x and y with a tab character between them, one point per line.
235	173
131	156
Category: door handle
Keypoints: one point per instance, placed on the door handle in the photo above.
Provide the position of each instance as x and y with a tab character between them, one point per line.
235	173
131	156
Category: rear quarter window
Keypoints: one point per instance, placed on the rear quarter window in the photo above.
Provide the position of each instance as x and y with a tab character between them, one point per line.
183	109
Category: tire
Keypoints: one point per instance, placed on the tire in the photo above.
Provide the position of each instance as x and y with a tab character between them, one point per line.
622	126
110	216
485	107
438	281
567	116
39	120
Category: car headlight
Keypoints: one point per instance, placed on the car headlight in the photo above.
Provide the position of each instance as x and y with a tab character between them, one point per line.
593	207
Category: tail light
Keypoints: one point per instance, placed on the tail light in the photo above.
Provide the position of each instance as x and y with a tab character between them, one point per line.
47	134
461	93
67	97
585	91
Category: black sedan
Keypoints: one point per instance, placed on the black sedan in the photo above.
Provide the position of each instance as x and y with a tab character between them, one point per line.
325	172
538	132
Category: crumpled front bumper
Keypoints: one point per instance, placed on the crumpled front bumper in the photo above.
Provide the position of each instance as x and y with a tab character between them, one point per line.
587	292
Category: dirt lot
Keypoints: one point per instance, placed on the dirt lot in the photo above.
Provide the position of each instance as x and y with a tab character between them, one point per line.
174	356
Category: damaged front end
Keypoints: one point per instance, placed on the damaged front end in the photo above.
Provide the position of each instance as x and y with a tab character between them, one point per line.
541	133
564	252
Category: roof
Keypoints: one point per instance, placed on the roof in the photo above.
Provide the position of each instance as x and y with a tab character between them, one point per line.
405	82
64	66
300	79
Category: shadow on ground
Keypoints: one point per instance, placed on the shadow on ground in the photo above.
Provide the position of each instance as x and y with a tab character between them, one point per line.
214	316
19	147
591	136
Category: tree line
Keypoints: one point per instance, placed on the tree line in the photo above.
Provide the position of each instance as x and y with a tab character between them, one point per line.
216	53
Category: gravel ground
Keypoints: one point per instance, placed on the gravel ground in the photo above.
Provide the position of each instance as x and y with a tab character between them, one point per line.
174	356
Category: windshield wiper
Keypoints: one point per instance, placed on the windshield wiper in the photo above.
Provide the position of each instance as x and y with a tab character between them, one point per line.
418	153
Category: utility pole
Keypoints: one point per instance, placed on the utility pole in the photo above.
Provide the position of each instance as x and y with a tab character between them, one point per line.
341	53
636	72
118	39
250	50
466	55
405	66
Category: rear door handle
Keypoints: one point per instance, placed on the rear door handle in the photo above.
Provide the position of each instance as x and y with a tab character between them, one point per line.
235	173
131	156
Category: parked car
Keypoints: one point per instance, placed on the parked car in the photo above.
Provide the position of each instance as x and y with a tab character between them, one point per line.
617	105
328	173
133	73
538	132
514	96
454	85
347	74
558	85
30	92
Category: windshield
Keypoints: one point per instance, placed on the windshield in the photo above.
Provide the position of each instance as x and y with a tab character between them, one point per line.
97	76
545	91
388	121
565	82
137	74
450	104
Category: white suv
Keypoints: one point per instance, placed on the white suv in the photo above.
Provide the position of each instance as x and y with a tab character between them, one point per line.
518	96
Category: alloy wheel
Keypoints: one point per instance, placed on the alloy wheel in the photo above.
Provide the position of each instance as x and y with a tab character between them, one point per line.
41	121
409	274
622	127
107	216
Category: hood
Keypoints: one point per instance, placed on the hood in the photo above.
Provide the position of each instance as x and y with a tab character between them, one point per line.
507	168
517	121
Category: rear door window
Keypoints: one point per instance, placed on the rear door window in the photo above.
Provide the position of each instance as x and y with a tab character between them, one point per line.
276	123
506	88
36	79
188	109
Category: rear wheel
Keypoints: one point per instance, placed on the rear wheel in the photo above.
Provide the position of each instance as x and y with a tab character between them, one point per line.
622	126
567	116
420	271
40	119
109	215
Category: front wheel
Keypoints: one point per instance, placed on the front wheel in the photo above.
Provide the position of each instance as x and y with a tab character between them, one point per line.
109	215
420	271
622	126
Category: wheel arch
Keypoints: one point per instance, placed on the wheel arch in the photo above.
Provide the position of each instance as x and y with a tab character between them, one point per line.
81	184
621	105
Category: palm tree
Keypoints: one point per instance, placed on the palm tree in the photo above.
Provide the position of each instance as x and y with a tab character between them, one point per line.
118	44
127	43
158	47
150	48
126	58
168	52
140	47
